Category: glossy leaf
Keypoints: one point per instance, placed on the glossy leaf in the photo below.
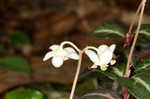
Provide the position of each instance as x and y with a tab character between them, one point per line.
145	63
15	64
26	94
138	85
108	30
145	29
20	37
114	72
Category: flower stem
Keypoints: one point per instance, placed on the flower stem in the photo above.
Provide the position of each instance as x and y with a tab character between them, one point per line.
70	43
128	37
76	75
127	73
78	69
134	19
91	47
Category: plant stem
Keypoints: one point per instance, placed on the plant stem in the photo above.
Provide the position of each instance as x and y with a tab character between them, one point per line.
127	73
78	69
128	37
76	75
134	19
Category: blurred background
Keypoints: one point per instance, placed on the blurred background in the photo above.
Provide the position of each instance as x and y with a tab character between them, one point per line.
29	27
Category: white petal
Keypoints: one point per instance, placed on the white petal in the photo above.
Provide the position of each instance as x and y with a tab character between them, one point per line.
94	66
71	53
112	47
57	61
112	62
48	55
105	57
102	48
73	56
69	49
54	47
93	56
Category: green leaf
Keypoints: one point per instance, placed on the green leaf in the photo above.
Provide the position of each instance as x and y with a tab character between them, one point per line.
144	33
26	94
20	37
145	29
115	71
15	64
2	48
138	85
143	64
108	30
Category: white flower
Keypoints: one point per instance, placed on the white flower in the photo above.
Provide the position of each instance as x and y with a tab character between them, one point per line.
103	56
60	54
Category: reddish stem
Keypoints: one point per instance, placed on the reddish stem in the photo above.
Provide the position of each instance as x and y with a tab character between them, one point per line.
129	38
127	73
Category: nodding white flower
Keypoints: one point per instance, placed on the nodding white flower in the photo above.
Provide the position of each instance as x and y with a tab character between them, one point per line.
103	56
60	54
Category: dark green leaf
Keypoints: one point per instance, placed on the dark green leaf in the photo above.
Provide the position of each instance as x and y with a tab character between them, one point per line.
108	30
26	94
20	37
144	33
138	85
115	71
2	48
145	29
15	64
143	64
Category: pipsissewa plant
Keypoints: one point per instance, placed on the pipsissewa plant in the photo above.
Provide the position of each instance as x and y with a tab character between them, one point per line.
102	56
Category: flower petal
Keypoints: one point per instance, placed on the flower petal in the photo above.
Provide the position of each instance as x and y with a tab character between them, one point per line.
73	56
106	57
48	55
112	47
54	47
94	66
112	62
93	56
71	53
57	61
69	49
102	48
